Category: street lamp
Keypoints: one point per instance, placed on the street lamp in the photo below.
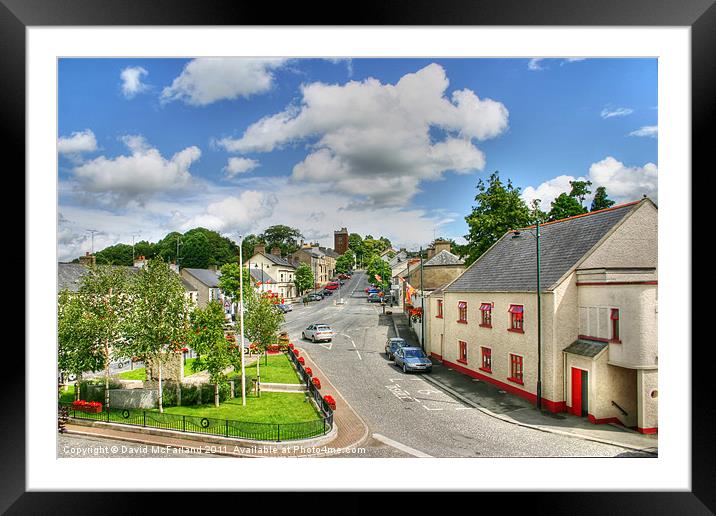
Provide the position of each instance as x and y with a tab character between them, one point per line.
241	320
536	236
422	303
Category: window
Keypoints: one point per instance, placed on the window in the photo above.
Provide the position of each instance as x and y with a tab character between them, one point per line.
516	318
462	312
486	311
516	369
486	360
440	309
615	325
463	352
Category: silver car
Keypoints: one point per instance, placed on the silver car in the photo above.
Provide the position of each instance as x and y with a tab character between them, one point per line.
318	332
413	359
393	345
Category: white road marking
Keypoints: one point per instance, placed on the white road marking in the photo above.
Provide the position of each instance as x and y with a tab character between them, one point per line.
465	408
400	446
354	344
432	408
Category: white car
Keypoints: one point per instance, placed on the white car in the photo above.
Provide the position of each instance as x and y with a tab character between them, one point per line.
317	332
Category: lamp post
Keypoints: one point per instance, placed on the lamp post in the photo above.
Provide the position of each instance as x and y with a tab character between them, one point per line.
241	320
422	303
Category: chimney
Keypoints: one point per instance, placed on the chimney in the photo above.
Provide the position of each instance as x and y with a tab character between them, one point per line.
173	266
259	248
431	252
213	268
442	245
276	251
88	259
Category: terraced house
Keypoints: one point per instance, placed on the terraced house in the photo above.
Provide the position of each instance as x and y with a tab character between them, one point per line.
599	316
272	273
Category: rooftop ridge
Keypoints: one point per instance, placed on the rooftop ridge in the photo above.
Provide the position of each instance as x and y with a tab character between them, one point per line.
611	208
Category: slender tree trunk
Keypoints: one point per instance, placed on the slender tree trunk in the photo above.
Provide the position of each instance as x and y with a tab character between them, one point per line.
161	407
78	379
106	374
258	376
216	394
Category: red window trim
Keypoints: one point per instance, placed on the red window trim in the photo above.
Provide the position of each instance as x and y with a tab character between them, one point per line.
440	309
514	379
516	330
482	359
516	311
460	348
459	310
483	309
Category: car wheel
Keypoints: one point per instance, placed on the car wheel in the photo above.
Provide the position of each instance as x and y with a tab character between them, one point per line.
303	336
313	338
405	369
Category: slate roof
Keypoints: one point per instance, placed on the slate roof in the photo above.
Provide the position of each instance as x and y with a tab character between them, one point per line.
511	264
329	252
188	286
69	274
444	258
278	260
585	348
207	277
261	276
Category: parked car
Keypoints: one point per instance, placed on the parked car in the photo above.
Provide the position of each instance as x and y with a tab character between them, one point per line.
393	345
313	297
333	285
284	308
372	290
374	298
412	359
326	292
316	332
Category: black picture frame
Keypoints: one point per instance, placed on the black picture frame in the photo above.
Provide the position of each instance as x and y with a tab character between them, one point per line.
699	15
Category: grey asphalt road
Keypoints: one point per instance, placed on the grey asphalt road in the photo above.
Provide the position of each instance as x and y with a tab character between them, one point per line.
406	415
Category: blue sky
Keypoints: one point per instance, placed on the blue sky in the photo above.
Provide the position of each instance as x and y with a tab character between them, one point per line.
388	147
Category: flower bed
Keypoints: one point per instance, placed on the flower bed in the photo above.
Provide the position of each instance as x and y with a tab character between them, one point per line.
301	360
296	352
330	401
91	407
316	382
309	371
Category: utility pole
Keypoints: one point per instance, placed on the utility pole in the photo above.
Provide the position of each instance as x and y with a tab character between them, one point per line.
178	244
92	232
539	327
241	321
422	303
133	235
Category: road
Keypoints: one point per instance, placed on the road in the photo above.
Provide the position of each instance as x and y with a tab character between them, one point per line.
406	415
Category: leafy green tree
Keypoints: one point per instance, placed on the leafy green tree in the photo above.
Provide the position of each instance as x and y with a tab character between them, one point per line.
247	246
499	208
119	254
230	281
536	213
157	325
580	190
601	200
284	237
262	322
345	262
380	268
565	206
166	248
96	313
303	279
79	350
215	353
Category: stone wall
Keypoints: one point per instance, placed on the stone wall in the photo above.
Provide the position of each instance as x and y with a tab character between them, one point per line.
172	368
133	398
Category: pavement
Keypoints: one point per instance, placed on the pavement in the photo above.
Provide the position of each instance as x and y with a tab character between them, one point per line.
510	408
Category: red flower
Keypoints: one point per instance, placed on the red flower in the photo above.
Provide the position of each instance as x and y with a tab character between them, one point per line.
331	402
185	350
301	360
295	351
290	345
309	372
316	382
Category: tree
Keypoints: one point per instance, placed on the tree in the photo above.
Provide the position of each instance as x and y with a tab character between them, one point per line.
580	190
95	315
119	254
284	237
565	206
344	263
157	325
214	351
230	281
601	201
380	268
247	246
262	321
303	279
499	209
536	213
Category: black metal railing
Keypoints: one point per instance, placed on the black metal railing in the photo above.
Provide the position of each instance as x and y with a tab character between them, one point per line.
624	412
207	425
313	391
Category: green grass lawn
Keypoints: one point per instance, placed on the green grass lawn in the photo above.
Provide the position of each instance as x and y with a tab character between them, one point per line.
278	370
140	373
270	407
68	396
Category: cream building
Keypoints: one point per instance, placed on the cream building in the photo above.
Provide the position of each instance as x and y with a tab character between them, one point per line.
599	316
271	272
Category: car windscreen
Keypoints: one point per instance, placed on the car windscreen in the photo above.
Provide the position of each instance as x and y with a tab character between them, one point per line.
414	353
323	328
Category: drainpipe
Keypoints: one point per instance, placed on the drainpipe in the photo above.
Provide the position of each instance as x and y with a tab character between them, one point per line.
539	327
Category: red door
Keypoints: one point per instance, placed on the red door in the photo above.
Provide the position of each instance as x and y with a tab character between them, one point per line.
576	392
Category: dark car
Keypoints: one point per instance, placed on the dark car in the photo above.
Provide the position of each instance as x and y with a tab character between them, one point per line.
412	359
374	298
393	345
313	297
327	292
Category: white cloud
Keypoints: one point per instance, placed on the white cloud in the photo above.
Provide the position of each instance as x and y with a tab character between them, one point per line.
234	214
210	79
612	112
650	131
132	81
239	166
133	177
78	142
535	64
623	183
366	136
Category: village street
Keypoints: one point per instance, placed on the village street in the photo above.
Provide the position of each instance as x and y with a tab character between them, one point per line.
407	415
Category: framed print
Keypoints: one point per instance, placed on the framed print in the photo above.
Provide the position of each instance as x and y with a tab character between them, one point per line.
337	246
